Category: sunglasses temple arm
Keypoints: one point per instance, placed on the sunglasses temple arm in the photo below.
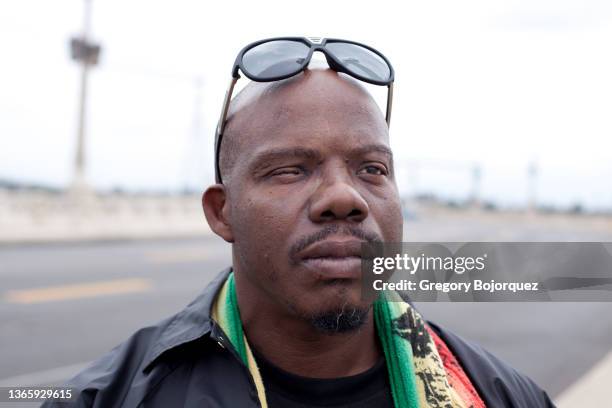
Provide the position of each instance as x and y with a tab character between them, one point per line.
221	127
389	103
226	104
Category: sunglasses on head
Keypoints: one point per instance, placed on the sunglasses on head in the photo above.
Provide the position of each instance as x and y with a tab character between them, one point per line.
279	58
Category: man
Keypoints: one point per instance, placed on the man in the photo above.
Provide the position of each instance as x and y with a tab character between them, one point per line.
305	175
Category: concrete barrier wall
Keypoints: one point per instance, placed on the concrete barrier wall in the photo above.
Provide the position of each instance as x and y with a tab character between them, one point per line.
27	216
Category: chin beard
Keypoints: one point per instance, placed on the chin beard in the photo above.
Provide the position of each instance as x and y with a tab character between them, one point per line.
344	320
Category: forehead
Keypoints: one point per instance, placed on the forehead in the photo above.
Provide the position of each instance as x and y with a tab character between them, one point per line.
321	130
325	113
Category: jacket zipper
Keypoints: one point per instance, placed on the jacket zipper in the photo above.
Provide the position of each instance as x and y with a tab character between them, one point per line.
220	337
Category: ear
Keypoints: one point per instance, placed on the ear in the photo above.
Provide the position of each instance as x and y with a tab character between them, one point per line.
214	202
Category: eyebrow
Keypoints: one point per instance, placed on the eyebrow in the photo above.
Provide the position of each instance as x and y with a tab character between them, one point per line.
268	156
281	152
375	147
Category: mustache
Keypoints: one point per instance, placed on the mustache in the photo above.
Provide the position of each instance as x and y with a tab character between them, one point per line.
328	230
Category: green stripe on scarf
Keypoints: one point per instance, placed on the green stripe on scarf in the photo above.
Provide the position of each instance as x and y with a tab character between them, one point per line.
235	333
402	333
398	357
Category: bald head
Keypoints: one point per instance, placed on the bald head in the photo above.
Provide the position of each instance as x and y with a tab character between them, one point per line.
304	161
316	98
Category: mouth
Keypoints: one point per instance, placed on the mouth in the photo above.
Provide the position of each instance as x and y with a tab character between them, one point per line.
333	259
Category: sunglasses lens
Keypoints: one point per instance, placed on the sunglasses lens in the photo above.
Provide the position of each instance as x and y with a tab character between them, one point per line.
360	61
274	59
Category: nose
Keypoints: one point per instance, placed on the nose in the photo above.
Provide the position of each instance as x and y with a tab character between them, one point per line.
338	199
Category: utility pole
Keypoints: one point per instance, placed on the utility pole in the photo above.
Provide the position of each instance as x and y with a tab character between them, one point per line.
476	177
532	185
86	53
193	166
198	158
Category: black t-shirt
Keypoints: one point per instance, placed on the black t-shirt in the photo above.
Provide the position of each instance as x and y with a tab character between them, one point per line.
365	390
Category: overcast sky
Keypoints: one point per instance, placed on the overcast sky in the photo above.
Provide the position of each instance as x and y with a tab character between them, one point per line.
499	84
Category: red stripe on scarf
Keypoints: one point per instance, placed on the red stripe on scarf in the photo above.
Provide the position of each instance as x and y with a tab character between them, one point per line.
455	374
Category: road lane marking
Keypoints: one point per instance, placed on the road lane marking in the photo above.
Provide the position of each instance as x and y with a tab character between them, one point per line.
78	291
178	255
592	389
54	376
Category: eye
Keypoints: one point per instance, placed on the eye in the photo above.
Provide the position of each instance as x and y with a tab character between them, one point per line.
374	169
290	170
286	171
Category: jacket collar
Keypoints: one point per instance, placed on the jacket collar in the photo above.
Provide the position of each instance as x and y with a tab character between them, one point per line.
189	324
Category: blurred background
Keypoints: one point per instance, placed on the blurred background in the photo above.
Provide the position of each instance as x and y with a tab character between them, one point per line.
501	132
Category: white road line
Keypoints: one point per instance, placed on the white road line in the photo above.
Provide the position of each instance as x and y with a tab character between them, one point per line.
54	376
77	291
592	390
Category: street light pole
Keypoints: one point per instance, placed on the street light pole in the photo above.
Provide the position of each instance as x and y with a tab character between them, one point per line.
85	53
532	186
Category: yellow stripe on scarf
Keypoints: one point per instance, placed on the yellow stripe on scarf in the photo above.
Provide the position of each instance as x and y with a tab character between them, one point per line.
434	390
218	314
430	372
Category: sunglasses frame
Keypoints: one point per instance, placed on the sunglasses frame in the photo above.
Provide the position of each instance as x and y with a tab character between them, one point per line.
315	44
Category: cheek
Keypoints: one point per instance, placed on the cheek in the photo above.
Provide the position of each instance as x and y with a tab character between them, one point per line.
262	231
262	223
399	224
391	220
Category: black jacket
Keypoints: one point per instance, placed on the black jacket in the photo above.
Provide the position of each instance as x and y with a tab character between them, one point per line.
185	361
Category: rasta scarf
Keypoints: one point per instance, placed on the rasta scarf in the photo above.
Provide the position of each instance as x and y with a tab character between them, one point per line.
423	373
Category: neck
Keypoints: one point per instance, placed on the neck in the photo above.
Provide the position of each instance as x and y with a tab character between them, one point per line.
294	345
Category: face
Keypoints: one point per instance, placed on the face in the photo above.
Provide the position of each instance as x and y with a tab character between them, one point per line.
313	179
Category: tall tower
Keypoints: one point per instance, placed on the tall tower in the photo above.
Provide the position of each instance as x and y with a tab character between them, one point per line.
86	53
476	178
532	185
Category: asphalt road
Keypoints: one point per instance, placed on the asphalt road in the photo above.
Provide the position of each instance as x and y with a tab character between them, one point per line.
46	334
50	328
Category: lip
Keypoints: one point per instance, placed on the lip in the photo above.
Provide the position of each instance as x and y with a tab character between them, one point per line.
334	259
